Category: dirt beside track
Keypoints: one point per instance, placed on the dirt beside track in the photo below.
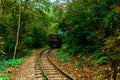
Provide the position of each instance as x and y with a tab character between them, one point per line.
86	71
26	70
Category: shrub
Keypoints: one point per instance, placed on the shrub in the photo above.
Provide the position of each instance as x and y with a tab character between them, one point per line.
62	56
95	54
7	63
38	36
111	48
15	62
9	48
100	60
64	47
28	41
25	52
4	76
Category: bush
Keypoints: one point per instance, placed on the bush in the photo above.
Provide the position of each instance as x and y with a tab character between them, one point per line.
64	47
4	76
100	60
28	41
13	63
62	56
38	37
95	54
25	52
3	64
9	48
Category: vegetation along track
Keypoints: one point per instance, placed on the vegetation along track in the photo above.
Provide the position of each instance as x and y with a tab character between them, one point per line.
46	69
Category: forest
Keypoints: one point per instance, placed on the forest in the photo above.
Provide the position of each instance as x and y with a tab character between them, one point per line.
88	27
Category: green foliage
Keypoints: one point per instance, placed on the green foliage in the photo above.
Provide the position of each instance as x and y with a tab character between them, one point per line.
81	54
46	46
64	47
32	17
2	67
9	45
4	76
25	52
90	26
109	17
93	26
95	54
38	36
111	48
9	48
13	63
63	57
81	26
28	41
70	51
101	60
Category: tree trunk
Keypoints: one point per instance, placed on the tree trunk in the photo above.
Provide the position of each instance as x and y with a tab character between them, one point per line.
18	30
0	7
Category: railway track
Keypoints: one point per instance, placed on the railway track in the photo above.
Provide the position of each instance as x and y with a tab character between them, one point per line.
45	69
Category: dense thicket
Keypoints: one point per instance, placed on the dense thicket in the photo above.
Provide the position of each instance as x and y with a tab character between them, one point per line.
34	20
89	27
93	26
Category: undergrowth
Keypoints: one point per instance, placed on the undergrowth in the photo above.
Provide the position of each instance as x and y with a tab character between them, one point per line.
63	57
4	76
25	52
99	59
46	46
9	63
13	63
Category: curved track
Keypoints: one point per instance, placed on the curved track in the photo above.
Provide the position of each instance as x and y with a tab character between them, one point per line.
50	71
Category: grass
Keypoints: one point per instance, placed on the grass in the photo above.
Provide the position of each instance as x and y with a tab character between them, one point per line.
63	57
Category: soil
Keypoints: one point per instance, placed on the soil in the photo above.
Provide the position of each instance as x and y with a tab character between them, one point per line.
86	71
26	70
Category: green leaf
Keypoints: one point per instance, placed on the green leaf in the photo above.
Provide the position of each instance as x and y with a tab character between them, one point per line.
101	59
4	76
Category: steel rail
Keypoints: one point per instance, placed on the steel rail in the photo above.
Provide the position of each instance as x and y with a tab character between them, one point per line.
41	65
51	62
68	76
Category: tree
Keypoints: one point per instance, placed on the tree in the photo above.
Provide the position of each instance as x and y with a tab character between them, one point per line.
0	7
93	25
18	30
34	13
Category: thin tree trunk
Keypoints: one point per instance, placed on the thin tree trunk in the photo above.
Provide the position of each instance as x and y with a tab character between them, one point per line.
0	6
18	30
